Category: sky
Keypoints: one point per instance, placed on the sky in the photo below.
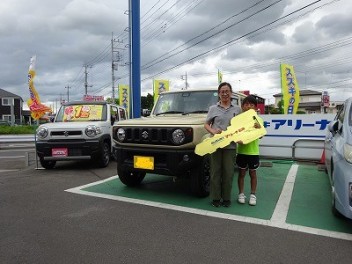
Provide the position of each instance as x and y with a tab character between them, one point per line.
181	40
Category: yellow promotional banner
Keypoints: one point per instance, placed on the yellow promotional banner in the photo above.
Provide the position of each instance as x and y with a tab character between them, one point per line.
83	112
241	129
290	89
219	77
159	87
124	95
35	106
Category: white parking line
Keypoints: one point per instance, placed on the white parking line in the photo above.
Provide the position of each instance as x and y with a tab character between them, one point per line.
280	213
277	220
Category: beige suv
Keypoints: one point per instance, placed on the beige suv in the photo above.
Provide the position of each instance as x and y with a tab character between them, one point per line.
164	142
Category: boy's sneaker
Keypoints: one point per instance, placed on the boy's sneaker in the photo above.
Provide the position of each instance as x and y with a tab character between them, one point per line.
252	199
216	203
241	198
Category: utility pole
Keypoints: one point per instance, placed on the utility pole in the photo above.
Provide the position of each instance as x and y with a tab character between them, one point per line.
184	77
86	78
68	92
115	59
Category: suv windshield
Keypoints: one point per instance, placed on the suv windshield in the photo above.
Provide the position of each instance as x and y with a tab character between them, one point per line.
185	102
81	112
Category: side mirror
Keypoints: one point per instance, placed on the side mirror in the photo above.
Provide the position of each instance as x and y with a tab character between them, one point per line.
333	126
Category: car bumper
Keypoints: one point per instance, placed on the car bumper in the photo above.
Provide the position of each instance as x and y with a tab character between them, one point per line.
76	149
342	184
166	162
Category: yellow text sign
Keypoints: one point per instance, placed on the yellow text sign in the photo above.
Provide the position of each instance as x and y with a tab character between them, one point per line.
241	129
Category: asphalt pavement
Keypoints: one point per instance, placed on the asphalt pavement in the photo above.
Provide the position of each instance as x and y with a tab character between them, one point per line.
42	223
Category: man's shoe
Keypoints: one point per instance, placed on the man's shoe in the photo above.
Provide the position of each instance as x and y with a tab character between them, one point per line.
226	203
241	198
252	199
216	203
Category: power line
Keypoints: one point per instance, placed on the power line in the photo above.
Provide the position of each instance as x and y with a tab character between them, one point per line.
231	41
198	36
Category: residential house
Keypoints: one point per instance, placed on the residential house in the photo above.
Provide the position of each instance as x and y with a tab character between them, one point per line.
11	106
310	101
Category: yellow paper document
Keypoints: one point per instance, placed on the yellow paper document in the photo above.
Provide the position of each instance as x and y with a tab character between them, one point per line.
241	128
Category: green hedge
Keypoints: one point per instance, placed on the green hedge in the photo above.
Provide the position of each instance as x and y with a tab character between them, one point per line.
8	130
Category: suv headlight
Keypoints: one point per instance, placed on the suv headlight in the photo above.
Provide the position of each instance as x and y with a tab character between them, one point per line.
121	134
42	132
92	131
347	151
178	136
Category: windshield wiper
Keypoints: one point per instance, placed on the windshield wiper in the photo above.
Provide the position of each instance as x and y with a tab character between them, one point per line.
170	112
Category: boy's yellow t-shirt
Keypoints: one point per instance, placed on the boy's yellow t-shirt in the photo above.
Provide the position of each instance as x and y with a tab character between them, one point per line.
252	148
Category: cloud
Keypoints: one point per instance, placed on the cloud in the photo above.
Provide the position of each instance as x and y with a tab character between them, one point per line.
246	39
335	25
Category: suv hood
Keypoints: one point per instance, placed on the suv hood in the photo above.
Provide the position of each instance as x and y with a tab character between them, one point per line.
179	120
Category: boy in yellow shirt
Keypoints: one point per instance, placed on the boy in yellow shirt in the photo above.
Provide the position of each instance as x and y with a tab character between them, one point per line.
248	157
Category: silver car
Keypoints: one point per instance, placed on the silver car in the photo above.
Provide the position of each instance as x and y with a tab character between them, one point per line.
338	160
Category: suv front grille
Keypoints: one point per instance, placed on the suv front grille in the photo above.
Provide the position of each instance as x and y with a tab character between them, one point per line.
155	135
66	133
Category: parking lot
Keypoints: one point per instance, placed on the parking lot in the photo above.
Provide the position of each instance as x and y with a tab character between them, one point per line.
290	196
45	218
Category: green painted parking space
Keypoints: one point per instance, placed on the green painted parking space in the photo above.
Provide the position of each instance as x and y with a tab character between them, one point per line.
306	210
162	189
311	202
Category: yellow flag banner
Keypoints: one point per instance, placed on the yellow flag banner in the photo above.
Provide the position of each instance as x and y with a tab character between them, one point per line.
290	89
124	95
159	87
241	128
35	106
219	77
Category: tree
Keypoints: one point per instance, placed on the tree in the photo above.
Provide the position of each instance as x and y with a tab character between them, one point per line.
147	102
278	110
280	105
109	100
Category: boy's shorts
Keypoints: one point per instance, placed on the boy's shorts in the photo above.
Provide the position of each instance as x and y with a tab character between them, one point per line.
247	161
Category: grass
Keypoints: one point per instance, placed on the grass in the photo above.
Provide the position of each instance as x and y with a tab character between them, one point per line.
17	130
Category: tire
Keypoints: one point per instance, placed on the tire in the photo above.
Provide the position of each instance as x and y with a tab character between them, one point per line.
200	178
104	158
47	164
130	178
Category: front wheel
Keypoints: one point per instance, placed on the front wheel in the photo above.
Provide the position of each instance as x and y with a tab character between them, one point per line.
200	178
130	178
104	158
47	164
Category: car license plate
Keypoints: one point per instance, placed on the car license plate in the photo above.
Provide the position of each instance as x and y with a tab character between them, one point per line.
59	152
141	162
